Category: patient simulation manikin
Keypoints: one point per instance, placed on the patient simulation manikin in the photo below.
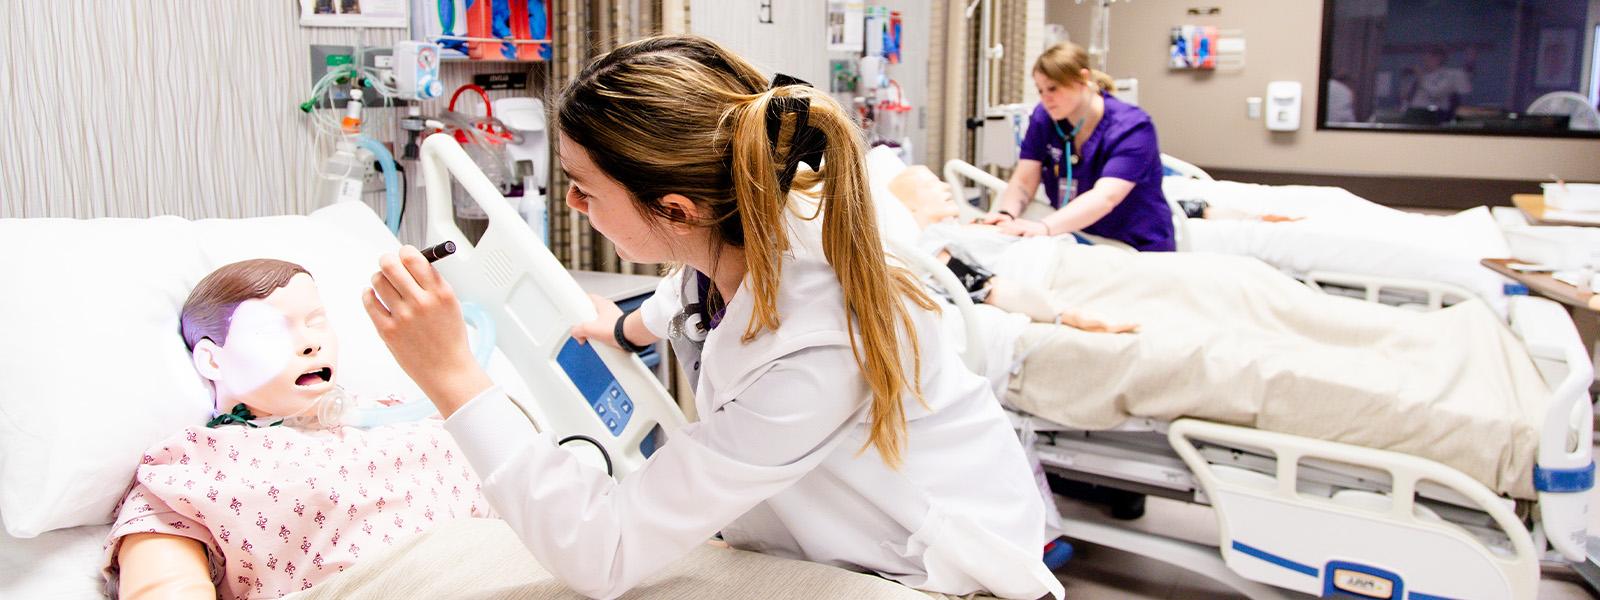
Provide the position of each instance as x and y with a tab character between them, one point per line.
274	495
930	204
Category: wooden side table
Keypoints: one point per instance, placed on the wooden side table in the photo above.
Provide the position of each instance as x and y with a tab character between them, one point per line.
1532	207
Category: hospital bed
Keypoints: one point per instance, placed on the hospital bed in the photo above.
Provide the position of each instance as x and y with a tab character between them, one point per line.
1342	233
1322	517
101	298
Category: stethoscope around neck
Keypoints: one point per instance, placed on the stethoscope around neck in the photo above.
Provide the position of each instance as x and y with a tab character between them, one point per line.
1068	157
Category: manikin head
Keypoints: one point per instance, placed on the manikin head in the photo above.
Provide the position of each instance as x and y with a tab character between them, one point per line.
922	192
259	333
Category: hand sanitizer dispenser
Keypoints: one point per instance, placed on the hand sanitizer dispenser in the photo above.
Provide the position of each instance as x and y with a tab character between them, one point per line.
1283	105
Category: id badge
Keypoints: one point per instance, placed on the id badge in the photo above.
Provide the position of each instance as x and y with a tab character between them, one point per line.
1066	189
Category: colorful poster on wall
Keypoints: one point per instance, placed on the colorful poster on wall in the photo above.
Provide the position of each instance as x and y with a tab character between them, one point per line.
1557	66
1192	47
380	14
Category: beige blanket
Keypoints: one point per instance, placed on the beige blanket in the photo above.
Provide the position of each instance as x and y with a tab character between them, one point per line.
482	559
1231	340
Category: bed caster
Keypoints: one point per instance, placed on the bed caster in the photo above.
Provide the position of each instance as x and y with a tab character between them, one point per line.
1125	506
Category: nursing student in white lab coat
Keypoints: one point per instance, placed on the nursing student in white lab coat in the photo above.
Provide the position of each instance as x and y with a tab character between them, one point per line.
836	426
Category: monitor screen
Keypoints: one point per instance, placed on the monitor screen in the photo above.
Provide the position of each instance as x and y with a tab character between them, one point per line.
1498	67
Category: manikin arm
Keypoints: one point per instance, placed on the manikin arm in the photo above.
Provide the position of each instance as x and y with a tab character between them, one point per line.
157	566
1018	297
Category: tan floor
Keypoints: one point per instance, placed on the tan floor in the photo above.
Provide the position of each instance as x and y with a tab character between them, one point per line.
1098	572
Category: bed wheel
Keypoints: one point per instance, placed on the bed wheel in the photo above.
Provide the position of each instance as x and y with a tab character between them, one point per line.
1125	506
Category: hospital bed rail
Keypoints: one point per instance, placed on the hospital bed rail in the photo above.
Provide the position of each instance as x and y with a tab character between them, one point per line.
955	170
1433	295
1256	482
589	390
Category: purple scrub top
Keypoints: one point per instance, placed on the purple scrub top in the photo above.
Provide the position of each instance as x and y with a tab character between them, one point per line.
1123	146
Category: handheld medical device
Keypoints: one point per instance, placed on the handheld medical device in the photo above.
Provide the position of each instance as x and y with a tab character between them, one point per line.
416	70
591	390
440	250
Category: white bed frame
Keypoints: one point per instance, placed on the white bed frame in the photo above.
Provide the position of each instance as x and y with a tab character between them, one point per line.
1308	515
1326	518
534	303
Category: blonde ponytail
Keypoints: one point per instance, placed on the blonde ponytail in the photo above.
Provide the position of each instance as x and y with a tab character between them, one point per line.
682	115
873	290
1103	81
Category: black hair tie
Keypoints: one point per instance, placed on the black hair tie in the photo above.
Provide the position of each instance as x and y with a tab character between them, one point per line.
807	144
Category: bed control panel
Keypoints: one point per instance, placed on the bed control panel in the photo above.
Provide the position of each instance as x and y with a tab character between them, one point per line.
1351	580
594	380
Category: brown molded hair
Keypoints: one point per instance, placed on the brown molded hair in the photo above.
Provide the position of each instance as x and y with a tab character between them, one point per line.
208	312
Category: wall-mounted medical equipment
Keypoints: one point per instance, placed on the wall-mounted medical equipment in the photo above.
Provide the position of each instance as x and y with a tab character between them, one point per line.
485	138
514	30
416	70
1283	105
530	157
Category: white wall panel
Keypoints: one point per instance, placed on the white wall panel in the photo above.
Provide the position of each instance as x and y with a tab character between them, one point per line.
133	109
793	43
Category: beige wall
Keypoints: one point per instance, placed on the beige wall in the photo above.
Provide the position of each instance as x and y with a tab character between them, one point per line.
1201	116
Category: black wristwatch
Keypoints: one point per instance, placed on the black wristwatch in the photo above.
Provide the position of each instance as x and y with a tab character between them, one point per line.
622	338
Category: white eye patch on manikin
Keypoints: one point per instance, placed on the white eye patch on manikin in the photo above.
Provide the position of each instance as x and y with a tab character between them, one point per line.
260	347
279	362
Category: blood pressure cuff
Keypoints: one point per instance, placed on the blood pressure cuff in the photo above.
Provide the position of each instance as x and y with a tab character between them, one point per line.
974	277
1195	209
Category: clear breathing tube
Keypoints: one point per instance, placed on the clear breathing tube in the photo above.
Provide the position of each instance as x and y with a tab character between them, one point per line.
391	181
338	408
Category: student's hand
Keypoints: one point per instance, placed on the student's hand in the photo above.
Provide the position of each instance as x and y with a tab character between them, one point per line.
418	317
1094	324
1024	228
603	328
993	218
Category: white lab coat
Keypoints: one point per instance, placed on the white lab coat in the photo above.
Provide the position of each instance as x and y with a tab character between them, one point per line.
777	465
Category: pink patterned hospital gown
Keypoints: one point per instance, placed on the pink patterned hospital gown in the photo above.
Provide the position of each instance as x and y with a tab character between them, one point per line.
280	509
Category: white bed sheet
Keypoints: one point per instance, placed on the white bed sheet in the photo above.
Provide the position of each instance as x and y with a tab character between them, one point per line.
1342	232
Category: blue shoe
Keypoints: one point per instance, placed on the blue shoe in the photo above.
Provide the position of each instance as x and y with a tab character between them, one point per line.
1057	553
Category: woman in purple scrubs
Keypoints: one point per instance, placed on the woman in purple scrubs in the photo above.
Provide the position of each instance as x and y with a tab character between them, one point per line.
1096	156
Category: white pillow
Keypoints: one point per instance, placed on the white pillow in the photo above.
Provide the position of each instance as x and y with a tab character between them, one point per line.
94	369
62	564
894	219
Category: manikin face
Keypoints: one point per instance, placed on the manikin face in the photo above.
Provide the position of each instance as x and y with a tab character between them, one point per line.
1060	100
611	208
924	194
280	356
